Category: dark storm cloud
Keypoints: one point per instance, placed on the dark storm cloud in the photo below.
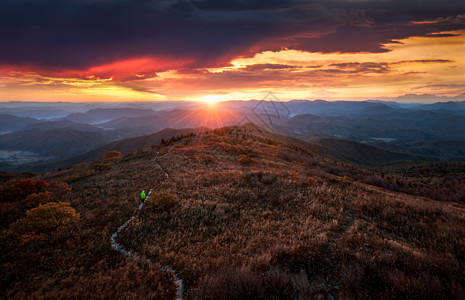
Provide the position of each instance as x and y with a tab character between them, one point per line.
245	5
79	34
435	35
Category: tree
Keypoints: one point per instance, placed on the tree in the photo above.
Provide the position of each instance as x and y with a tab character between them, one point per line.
45	218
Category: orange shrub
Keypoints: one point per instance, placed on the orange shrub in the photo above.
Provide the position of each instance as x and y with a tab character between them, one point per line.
18	190
111	155
246	160
164	201
59	189
347	178
45	218
311	180
34	200
29	186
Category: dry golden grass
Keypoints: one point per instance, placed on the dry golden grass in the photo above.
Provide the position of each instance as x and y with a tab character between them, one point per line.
281	227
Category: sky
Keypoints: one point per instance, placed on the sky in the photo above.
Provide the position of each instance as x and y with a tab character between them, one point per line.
155	50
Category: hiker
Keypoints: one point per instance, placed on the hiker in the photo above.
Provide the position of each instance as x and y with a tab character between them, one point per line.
142	196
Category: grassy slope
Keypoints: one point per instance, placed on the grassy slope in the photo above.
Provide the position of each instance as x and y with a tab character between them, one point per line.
273	228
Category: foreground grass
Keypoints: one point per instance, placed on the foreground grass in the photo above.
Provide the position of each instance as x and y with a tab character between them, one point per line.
252	219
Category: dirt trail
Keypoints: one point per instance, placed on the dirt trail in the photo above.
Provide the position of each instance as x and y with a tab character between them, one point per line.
118	247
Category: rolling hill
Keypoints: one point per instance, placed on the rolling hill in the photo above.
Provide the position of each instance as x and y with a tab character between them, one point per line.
243	215
362	154
337	149
443	150
54	143
9	123
379	123
61	124
101	115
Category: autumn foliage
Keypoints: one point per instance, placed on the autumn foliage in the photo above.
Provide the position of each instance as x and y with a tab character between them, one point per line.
163	201
45	218
35	199
112	155
246	160
19	195
19	189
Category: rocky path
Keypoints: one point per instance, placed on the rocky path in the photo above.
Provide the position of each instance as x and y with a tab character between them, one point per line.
118	247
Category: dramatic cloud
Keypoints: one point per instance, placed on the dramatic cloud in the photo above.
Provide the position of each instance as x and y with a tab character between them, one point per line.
82	34
159	47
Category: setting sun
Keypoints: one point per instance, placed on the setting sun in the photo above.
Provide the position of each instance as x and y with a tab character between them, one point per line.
211	99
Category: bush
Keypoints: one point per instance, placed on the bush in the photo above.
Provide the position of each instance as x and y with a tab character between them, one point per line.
45	218
18	190
164	201
60	190
34	200
246	160
311	181
112	155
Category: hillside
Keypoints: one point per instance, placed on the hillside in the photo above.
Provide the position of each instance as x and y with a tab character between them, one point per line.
379	122
131	145
9	123
56	143
241	215
60	124
362	154
444	150
100	115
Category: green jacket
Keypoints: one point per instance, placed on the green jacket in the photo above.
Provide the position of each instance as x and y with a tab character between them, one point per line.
142	195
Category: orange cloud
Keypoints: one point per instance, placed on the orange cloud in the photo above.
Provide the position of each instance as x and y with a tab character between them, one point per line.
430	64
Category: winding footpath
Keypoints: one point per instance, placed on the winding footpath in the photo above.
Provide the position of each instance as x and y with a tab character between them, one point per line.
118	247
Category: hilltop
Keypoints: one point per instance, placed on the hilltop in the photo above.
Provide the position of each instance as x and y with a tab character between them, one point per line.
242	215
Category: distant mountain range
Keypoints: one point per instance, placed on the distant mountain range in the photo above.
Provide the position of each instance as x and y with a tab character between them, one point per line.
101	115
367	133
380	122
